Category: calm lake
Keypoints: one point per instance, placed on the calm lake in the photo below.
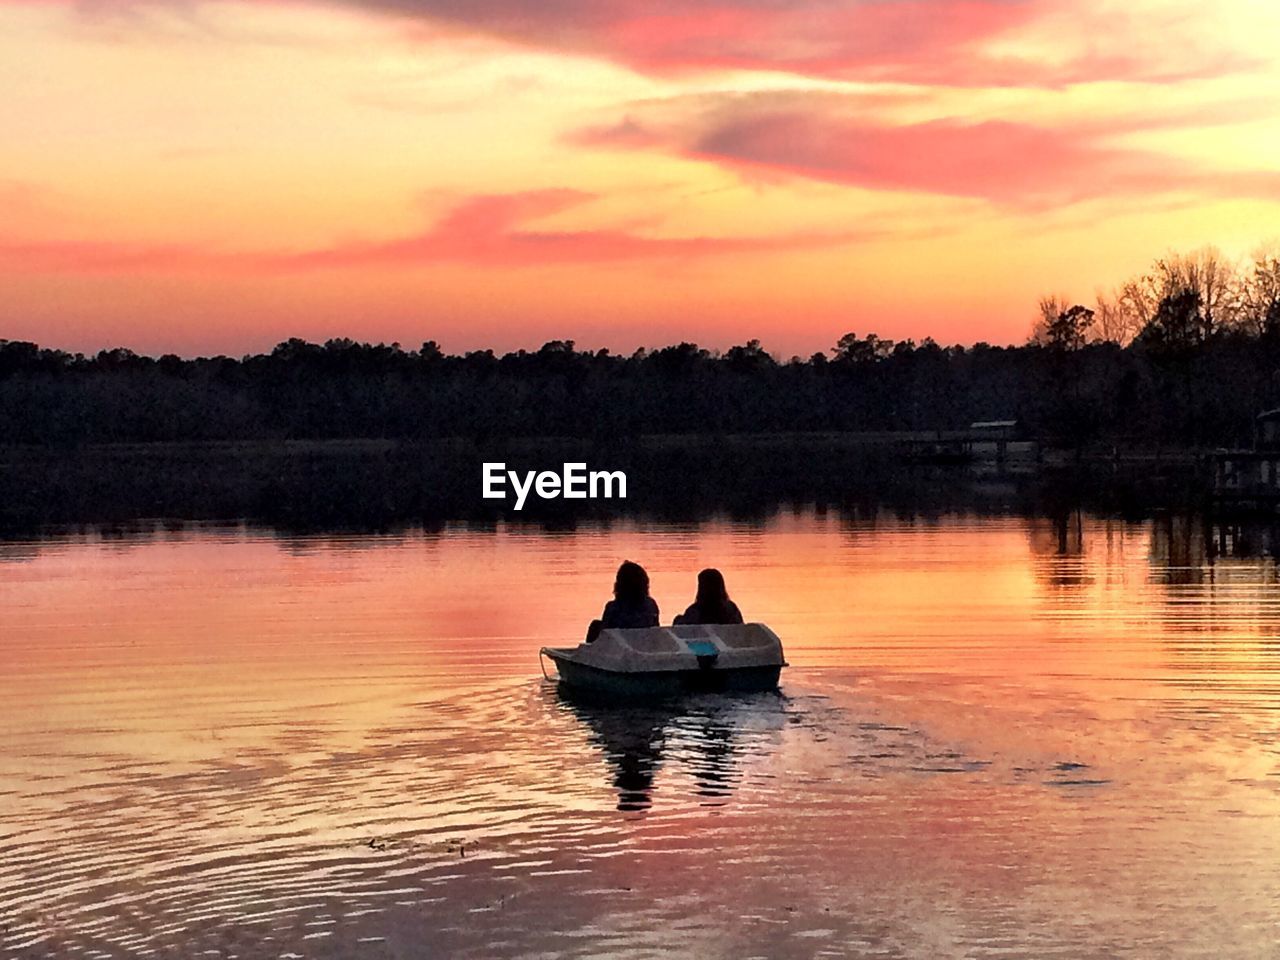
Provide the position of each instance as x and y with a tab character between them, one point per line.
998	737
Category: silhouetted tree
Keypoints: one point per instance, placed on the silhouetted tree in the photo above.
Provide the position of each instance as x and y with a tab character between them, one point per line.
748	358
1179	326
854	350
1061	328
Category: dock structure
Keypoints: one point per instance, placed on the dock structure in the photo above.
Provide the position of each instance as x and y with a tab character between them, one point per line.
1251	477
984	443
999	442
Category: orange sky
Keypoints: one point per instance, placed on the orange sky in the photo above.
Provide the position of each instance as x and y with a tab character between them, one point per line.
217	176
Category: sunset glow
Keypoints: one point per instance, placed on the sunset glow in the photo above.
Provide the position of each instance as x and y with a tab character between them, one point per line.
214	177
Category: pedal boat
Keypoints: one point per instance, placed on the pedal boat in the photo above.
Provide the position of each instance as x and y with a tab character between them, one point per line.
667	661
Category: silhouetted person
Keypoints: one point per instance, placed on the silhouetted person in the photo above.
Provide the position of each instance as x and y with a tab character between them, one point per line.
712	605
631	605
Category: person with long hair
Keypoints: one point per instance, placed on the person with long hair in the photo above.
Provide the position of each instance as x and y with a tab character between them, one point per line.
712	604
631	605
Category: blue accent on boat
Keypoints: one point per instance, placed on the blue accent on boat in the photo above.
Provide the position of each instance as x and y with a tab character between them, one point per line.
703	648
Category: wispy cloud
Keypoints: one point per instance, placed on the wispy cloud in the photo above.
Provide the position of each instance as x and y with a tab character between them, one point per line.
941	42
485	231
842	140
959	43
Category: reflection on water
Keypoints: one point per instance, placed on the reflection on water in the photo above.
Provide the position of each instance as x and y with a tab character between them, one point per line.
1000	737
698	731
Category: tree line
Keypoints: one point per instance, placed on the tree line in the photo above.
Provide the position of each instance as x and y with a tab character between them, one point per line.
1187	353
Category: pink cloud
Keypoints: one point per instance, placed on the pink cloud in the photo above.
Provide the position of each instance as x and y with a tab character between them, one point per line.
939	42
916	41
93	256
994	160
485	231
840	140
492	230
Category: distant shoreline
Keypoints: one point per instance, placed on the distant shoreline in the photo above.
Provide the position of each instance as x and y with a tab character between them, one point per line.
372	483
840	439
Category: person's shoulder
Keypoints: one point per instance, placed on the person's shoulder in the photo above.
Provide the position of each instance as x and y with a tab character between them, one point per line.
733	609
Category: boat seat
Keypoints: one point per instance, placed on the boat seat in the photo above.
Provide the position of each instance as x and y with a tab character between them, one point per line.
652	640
744	636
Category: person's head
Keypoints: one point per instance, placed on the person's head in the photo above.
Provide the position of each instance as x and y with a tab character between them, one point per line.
711	589
631	585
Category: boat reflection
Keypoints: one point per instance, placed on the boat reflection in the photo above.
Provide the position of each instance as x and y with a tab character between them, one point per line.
707	736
